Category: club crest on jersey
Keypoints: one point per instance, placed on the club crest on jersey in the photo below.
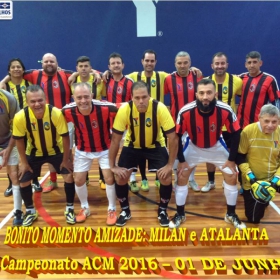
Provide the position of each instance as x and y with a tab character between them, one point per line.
94	124
190	85
47	126
252	88
119	90
135	121
148	122
212	127
153	83
225	90
33	125
55	84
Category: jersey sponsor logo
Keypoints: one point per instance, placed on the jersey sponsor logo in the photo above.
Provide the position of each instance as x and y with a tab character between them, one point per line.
198	129
145	18
47	126
109	89
148	122
119	90
33	125
275	144
190	85
81	125
6	10
252	87
94	124
135	121
153	83
55	84
213	127
43	85
12	90
179	87
225	90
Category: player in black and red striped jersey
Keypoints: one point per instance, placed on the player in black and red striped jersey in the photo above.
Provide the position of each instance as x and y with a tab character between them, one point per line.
203	121
258	89
91	119
181	85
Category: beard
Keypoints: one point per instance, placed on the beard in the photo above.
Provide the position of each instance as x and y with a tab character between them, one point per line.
208	108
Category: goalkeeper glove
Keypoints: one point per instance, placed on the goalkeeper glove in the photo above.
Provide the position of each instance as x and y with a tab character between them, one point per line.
263	191
275	183
250	176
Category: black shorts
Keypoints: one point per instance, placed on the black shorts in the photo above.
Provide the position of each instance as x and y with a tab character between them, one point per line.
130	158
254	210
227	138
37	162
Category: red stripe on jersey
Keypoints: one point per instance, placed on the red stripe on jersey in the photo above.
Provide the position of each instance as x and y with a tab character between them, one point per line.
256	92
56	88
182	90
205	129
119	91
92	132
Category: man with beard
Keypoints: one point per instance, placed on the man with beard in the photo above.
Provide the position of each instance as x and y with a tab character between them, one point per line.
58	93
203	121
227	87
181	86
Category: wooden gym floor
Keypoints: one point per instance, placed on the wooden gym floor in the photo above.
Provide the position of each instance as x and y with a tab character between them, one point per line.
203	211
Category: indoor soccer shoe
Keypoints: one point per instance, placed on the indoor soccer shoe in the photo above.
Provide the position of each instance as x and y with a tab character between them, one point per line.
29	218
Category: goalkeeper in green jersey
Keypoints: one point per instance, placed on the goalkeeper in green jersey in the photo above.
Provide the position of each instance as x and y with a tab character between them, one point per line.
259	161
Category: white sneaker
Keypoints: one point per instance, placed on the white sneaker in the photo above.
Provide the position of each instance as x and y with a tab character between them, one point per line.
193	184
234	220
208	187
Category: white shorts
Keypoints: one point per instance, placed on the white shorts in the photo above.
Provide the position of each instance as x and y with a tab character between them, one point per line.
83	160
14	157
217	155
71	130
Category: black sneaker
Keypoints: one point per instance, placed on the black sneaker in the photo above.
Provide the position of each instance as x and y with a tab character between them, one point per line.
121	221
163	219
18	218
176	221
37	187
8	191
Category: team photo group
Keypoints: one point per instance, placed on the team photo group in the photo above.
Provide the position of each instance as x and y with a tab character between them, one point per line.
165	123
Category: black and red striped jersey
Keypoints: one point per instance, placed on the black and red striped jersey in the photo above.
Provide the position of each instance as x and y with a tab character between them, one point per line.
92	132
56	88
182	90
205	129
118	91
256	92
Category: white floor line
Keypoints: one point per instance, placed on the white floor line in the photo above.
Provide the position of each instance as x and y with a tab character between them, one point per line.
11	214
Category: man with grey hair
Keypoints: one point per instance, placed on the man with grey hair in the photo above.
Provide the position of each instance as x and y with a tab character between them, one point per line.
258	160
181	86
